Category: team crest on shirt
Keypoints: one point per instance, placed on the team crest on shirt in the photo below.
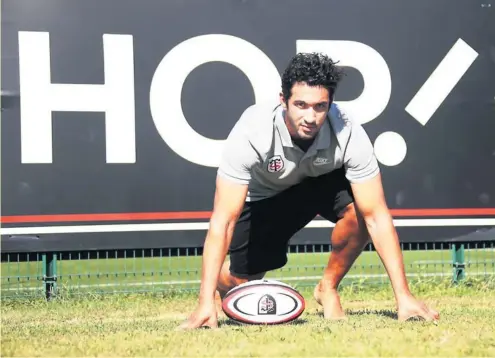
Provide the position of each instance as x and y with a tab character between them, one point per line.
275	164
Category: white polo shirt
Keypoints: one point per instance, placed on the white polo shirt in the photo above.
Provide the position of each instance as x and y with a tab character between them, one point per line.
259	151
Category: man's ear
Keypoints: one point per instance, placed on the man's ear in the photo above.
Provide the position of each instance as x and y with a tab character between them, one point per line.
282	100
331	97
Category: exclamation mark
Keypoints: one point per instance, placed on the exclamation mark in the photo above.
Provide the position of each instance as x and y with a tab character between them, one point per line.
441	82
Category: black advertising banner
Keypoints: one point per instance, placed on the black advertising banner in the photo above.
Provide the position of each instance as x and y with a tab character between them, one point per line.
114	112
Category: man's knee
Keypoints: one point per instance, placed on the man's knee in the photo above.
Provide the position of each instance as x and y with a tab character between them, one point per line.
227	280
350	219
351	228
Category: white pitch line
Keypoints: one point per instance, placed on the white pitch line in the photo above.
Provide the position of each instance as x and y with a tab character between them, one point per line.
204	226
282	279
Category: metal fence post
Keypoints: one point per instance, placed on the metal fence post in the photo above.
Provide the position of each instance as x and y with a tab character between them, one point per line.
50	274
458	264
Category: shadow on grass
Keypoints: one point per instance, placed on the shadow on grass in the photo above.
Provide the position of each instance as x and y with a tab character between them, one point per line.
230	322
384	313
365	312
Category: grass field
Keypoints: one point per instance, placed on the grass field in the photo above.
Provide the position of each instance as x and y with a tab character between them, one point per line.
78	273
143	325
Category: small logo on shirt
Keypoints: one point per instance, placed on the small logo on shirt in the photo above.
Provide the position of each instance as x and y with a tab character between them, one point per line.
321	161
275	164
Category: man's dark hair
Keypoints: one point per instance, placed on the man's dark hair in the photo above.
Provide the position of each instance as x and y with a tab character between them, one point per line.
315	69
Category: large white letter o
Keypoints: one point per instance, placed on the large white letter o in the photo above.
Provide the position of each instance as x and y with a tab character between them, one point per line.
169	78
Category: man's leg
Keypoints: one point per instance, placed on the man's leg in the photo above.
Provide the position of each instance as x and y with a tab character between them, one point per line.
349	238
259	242
227	281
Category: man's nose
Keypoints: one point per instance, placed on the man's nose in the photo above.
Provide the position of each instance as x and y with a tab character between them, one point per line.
310	116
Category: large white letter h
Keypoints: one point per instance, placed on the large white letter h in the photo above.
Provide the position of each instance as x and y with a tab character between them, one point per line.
39	97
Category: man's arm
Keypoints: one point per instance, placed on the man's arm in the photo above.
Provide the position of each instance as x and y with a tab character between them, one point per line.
233	177
370	201
364	175
228	204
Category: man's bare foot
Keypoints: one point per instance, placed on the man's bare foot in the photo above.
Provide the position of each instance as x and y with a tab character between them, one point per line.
218	304
330	301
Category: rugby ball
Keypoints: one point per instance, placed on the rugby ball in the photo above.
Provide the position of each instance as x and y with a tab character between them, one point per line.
263	302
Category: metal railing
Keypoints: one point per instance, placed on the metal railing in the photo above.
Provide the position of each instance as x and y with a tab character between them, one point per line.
166	270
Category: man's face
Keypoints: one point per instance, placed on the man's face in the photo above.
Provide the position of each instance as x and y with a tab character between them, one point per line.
306	110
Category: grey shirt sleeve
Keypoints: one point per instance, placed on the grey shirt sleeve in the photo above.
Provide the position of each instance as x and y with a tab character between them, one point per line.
359	159
238	155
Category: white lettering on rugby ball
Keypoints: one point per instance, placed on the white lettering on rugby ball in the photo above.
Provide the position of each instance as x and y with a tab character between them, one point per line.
263	302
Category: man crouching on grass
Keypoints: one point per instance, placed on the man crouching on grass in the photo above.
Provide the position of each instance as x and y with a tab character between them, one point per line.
282	165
